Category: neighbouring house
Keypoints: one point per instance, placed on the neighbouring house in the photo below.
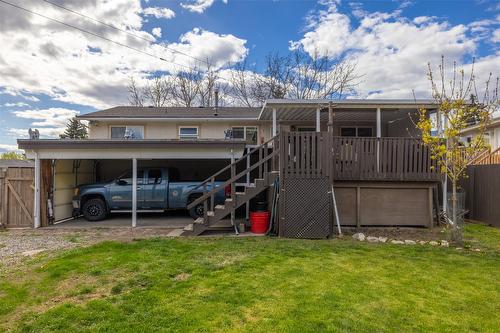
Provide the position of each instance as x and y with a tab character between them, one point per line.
361	156
492	138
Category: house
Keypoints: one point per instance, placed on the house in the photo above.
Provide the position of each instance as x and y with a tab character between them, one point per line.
492	138
367	151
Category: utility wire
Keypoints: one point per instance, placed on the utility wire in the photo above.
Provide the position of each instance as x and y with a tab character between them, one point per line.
122	30
94	34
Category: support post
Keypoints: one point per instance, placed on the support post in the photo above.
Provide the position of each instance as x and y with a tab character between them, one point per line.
445	176
134	192
379	135
318	120
36	208
330	117
275	127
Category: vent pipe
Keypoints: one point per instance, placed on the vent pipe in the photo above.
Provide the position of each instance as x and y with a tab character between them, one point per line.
216	108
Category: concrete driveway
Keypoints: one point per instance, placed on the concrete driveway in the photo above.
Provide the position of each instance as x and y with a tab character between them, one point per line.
169	220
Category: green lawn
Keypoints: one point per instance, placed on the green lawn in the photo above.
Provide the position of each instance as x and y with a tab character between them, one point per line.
257	285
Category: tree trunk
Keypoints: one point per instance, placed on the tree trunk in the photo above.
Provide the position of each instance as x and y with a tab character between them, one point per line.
456	232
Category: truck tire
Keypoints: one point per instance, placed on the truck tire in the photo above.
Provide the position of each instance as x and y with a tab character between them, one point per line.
94	210
198	210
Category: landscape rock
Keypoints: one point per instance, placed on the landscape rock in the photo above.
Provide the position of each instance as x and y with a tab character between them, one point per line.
422	242
394	241
372	239
477	250
31	253
410	242
445	243
433	243
359	236
382	239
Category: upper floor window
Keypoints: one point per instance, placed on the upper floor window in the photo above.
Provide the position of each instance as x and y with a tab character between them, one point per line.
247	133
127	132
188	132
356	131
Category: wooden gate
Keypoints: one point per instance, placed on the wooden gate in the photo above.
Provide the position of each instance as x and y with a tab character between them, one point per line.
16	197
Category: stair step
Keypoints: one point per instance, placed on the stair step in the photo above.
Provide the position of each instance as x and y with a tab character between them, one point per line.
240	193
220	207
199	220
229	200
210	213
189	227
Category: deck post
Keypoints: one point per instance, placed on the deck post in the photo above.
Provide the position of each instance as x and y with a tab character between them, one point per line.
275	129
379	135
36	205
134	192
318	120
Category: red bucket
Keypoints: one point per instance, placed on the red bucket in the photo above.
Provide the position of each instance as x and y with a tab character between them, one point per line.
259	222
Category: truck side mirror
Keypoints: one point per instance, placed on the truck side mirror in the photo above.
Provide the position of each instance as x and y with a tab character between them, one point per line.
121	182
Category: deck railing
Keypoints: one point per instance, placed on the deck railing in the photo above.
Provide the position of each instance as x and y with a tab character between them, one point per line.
313	154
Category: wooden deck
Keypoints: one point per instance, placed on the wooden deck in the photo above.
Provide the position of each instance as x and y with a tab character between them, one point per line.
314	154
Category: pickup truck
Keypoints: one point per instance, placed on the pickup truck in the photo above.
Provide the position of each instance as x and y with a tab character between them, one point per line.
157	190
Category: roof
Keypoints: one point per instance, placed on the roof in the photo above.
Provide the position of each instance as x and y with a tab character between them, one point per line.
345	110
494	123
16	164
123	143
207	113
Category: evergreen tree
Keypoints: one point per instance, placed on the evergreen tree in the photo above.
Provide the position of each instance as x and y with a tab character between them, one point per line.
74	130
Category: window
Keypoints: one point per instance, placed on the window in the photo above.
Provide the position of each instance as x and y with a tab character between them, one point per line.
190	132
154	176
306	129
356	131
127	132
247	133
127	177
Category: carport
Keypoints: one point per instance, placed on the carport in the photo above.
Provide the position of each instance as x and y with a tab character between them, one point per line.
60	165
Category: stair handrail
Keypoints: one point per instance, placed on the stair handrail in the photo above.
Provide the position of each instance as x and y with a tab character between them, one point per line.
210	193
227	167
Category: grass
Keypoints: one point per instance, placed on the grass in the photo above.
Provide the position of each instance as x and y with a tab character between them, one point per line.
257	285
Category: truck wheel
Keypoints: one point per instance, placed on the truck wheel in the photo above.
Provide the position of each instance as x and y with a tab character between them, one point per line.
196	211
94	210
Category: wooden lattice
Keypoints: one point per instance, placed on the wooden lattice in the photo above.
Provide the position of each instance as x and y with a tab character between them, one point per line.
306	208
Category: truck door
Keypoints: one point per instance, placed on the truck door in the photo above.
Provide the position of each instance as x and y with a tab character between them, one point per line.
121	192
155	189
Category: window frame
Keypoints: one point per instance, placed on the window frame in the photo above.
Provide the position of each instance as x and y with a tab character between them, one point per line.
188	137
143	129
245	133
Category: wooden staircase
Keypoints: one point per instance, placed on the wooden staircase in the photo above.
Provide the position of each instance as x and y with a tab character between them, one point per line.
266	171
492	157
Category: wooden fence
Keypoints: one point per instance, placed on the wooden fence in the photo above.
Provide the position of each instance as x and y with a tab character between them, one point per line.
16	197
316	154
482	193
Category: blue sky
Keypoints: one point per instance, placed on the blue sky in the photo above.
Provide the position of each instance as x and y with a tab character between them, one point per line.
49	72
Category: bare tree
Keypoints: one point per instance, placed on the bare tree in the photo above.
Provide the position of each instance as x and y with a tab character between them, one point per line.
159	91
135	94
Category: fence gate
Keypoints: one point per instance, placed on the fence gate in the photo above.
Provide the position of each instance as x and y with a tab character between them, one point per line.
305	210
16	197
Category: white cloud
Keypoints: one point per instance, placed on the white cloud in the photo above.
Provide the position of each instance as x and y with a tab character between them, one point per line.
18	104
53	118
198	6
42	57
5	147
496	36
391	51
158	12
218	49
156	32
